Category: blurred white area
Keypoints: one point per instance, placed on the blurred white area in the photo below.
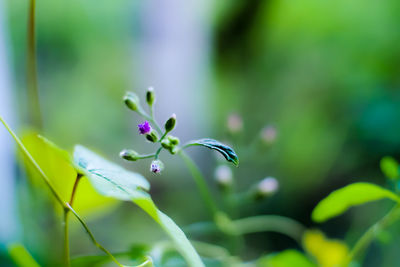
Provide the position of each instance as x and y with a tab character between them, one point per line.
174	58
8	222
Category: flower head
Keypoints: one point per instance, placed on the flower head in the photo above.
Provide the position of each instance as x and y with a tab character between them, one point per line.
144	128
235	123
156	166
269	134
223	175
268	186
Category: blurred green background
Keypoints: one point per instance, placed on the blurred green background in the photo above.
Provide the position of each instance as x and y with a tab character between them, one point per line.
324	73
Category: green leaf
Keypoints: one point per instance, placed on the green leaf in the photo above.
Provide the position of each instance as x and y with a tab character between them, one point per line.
111	180
342	199
21	256
225	150
285	258
390	167
57	165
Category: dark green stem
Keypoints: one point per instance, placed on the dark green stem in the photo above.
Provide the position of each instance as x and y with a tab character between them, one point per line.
32	80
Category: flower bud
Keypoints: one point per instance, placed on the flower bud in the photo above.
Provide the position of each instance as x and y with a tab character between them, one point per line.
170	123
174	150
152	137
156	166
132	101
150	96
170	143
234	123
223	176
129	154
268	134
267	187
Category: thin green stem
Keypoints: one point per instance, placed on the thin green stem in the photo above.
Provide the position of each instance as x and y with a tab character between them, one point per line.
65	222
200	182
163	136
147	156
371	233
158	152
32	80
94	241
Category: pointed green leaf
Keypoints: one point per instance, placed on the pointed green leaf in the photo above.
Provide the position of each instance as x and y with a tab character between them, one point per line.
342	199
390	167
225	150
111	180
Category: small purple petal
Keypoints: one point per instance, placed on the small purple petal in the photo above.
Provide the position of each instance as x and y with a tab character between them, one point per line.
144	128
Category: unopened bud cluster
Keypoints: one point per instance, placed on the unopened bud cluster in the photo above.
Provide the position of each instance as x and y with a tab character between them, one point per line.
170	143
151	134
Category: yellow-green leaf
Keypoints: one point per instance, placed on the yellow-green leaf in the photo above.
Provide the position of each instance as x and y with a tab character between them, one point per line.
327	252
342	199
287	258
57	165
111	180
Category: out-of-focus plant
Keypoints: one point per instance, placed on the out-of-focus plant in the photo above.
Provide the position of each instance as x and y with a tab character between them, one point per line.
340	200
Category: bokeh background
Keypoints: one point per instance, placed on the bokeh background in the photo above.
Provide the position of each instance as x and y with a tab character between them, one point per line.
324	73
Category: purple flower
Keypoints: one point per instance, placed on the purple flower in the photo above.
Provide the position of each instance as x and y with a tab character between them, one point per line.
144	128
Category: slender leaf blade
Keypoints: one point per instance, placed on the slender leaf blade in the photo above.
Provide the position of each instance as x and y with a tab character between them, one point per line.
110	180
351	195
226	151
21	256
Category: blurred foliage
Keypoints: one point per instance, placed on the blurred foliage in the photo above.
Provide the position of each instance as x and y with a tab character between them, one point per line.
325	74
